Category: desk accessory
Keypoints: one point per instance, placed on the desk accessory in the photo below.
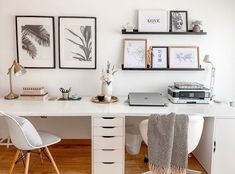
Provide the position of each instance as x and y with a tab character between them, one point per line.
65	93
33	90
96	100
18	71
207	60
188	85
70	99
34	97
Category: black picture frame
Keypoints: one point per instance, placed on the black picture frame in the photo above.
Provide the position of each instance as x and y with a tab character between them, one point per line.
35	41
82	59
178	21
163	63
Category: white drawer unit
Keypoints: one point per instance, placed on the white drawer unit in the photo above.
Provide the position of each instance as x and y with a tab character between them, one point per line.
108	145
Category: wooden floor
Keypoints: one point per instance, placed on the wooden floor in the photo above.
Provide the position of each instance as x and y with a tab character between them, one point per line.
75	159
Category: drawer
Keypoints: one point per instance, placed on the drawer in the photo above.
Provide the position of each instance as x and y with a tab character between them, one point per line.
108	131
108	121
108	168
108	142
106	155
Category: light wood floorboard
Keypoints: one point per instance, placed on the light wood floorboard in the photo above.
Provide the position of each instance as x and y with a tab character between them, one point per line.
72	158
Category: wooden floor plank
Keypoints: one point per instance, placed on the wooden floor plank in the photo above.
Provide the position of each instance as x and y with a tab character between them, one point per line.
75	159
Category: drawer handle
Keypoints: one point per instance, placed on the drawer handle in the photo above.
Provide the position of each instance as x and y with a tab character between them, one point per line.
108	136
108	118
108	149
108	162
108	127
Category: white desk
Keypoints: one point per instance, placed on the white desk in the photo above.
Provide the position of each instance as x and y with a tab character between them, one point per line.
219	117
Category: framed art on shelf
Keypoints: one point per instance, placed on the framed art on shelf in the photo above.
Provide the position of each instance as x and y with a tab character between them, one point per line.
183	57
178	21
159	57
135	53
152	21
77	42
35	41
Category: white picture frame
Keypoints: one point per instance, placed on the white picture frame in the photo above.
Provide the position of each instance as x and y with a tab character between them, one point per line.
35	41
152	21
77	42
186	57
159	57
135	53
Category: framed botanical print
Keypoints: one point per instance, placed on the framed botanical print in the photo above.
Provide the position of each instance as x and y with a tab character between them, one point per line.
35	41
184	57
178	21
159	57
152	21
77	42
135	53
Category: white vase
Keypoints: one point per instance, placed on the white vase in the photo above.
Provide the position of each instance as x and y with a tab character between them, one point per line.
107	90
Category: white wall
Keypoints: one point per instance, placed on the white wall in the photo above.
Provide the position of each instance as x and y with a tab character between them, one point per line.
218	21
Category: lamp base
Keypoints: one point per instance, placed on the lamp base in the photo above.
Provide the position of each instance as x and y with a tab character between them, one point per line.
11	96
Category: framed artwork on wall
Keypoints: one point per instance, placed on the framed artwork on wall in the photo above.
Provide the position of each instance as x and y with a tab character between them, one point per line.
178	21
152	21
159	57
183	57
35	41
77	42
135	53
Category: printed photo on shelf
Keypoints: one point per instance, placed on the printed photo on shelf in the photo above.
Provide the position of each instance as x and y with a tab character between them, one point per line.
159	57
183	57
35	41
135	53
178	21
152	21
77	42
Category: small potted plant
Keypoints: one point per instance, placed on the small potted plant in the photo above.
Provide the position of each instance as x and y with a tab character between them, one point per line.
196	26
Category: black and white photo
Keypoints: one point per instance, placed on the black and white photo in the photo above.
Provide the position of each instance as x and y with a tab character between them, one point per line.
77	42
159	57
35	41
178	21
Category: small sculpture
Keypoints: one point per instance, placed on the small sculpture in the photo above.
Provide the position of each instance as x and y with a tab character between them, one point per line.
129	27
196	26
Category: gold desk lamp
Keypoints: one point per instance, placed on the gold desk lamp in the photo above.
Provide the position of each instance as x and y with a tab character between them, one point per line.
18	71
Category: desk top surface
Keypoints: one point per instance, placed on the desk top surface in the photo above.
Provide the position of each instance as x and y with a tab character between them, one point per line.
85	107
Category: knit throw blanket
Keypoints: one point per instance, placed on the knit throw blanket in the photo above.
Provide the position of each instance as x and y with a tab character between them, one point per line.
167	143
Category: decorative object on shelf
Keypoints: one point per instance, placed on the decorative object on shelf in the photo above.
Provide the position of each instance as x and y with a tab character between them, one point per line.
107	78
178	21
196	26
112	100
212	80
183	57
149	57
35	41
77	42
159	57
65	93
152	20
18	71
135	53
129	27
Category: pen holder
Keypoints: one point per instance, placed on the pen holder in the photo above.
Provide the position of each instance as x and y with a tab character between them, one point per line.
65	95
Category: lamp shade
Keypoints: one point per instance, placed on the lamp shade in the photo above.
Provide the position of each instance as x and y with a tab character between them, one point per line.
207	59
19	70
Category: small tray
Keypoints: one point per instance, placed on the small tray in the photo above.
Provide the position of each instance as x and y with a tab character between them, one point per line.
61	99
95	100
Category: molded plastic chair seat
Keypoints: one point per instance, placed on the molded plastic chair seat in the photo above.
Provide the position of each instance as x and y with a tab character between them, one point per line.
48	139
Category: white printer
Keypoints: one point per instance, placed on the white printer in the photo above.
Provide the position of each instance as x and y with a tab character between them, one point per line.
188	92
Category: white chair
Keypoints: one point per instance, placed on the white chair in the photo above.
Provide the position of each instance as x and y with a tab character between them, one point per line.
26	139
195	128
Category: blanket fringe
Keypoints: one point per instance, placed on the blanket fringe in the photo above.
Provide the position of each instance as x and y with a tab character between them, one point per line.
171	170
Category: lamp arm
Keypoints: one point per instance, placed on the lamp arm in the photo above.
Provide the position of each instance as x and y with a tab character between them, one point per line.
9	70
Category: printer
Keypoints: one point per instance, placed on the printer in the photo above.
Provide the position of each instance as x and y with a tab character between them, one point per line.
188	93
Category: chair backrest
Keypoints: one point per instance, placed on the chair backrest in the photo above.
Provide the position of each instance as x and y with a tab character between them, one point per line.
195	128
16	132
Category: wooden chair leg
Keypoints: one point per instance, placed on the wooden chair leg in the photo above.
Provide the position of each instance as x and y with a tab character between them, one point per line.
14	161
52	160
40	154
27	163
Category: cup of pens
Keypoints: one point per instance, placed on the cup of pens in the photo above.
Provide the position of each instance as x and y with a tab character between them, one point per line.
65	93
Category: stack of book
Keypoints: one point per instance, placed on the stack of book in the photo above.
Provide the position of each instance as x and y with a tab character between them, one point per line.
34	93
